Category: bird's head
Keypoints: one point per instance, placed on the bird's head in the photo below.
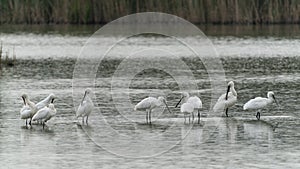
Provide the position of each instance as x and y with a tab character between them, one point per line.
88	91
184	95
24	97
272	96
52	97
229	86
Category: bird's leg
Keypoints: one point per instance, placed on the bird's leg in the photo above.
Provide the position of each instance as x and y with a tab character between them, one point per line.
30	122
82	120
193	116
189	119
43	125
150	116
147	116
226	112
198	116
86	120
26	122
258	115
184	118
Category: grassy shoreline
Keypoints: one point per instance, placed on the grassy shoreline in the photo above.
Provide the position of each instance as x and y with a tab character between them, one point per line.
195	11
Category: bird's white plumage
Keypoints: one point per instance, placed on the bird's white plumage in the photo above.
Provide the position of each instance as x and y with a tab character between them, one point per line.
45	113
45	102
187	108
86	106
259	102
30	104
189	104
195	101
148	103
224	103
256	103
25	112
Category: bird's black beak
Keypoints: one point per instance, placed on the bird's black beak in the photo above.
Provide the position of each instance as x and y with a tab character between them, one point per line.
178	102
167	107
24	100
228	89
52	101
275	100
83	96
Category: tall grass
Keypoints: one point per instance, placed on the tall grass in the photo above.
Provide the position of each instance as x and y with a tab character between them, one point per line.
103	11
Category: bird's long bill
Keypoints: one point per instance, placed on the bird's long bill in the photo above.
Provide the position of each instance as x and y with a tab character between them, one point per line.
178	102
168	107
83	97
275	100
24	100
228	89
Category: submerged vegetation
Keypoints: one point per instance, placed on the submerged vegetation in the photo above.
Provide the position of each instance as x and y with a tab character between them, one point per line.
103	11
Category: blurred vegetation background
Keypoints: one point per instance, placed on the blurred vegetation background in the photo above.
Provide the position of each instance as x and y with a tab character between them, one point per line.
196	11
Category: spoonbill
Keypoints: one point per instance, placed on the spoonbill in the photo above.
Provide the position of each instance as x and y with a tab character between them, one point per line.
45	114
259	103
49	99
86	106
150	103
189	104
31	106
25	112
226	100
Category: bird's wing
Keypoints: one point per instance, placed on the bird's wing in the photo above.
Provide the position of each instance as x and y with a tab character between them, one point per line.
187	108
24	108
41	104
25	114
219	106
222	97
145	103
82	108
195	101
41	114
256	103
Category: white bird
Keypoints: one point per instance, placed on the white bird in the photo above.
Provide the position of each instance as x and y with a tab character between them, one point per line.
259	103
189	104
31	106
150	103
25	112
45	114
49	99
226	100
86	106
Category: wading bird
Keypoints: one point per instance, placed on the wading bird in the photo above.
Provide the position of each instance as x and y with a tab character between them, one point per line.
31	105
45	114
150	103
226	100
259	103
86	106
25	112
189	104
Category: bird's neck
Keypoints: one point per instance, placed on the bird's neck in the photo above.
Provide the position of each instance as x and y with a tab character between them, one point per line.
184	100
233	91
270	100
53	111
30	104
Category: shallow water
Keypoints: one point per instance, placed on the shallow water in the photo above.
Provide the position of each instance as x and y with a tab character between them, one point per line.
121	139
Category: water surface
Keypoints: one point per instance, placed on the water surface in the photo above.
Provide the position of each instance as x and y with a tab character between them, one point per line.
257	62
